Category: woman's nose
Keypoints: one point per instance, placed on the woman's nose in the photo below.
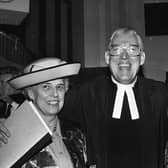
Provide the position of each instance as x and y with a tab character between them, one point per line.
55	92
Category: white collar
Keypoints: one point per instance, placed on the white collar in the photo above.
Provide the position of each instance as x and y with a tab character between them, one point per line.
121	89
124	85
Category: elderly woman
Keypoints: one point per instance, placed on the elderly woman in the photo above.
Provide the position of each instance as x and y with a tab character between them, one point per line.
45	84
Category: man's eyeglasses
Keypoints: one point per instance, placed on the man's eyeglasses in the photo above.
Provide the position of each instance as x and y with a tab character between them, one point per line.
132	50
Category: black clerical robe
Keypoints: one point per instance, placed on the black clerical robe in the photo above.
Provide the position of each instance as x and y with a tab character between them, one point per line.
119	143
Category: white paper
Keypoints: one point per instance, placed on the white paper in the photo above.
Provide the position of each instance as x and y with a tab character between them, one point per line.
27	128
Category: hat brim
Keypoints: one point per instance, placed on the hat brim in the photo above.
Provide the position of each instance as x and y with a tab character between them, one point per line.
43	75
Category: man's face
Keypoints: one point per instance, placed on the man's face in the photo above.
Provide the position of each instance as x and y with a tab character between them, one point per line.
49	96
125	58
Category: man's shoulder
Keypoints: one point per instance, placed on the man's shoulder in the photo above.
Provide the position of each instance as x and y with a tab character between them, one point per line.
99	80
153	84
94	85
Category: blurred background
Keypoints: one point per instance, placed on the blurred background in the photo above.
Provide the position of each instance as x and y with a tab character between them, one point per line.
78	31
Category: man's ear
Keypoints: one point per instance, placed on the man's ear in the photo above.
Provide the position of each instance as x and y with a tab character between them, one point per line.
107	57
142	59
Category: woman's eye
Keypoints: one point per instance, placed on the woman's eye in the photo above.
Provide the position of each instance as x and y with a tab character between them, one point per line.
60	87
46	86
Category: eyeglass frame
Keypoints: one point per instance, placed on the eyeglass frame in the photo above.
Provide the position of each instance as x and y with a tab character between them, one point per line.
127	47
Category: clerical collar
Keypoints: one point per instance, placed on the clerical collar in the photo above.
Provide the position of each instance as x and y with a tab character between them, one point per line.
121	90
124	85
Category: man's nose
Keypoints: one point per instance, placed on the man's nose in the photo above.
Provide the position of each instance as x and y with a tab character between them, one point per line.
124	54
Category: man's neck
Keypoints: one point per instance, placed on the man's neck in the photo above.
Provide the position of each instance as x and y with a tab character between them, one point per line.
126	84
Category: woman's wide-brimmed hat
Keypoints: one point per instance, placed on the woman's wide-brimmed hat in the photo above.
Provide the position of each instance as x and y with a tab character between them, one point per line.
43	70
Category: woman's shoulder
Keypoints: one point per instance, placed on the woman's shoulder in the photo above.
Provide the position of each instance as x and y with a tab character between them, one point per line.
75	142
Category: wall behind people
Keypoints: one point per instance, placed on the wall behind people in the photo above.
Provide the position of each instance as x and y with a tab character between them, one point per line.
103	16
156	64
77	31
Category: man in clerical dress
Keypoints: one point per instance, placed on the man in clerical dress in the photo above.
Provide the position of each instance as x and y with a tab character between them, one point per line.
123	115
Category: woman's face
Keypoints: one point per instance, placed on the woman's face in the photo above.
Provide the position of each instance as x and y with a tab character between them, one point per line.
49	96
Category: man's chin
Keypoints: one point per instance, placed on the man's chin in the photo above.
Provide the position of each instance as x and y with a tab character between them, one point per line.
125	80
